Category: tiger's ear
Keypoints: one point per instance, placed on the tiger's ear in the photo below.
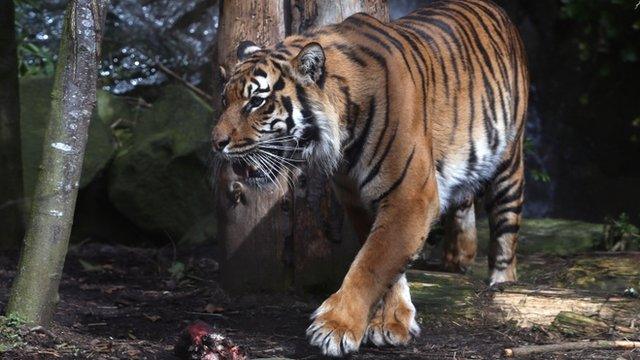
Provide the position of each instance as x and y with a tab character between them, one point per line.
245	49
309	64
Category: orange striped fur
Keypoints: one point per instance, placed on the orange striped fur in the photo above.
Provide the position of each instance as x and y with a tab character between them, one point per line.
413	119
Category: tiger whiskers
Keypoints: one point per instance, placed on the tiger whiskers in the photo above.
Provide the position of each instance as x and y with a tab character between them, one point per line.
281	167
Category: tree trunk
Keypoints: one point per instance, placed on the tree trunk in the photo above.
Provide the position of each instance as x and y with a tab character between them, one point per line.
323	242
306	14
11	224
272	242
254	225
34	294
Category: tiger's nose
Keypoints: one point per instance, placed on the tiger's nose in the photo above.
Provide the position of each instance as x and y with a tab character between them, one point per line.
220	141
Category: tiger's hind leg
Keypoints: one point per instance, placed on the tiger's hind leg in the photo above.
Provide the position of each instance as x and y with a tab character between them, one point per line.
460	237
504	200
394	321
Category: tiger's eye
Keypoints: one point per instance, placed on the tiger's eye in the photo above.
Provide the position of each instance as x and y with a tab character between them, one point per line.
256	101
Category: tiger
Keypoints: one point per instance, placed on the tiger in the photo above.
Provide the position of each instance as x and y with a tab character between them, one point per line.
413	120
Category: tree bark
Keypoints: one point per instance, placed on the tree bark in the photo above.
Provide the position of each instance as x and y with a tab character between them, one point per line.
323	242
529	307
568	346
34	294
11	194
272	242
306	14
254	224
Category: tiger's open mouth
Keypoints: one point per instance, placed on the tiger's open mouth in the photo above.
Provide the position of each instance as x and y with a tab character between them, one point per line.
247	171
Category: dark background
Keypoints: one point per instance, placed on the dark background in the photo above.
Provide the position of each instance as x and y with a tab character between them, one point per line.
147	180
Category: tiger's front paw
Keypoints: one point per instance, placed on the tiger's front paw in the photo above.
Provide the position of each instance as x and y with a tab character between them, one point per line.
338	325
395	330
394	322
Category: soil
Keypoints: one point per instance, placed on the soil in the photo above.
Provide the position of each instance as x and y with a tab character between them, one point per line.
119	302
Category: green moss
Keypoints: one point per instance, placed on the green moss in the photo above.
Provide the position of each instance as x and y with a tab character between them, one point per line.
550	236
35	107
612	273
10	333
442	295
113	108
161	181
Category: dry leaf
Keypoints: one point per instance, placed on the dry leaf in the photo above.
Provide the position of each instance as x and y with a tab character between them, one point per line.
213	309
152	318
112	289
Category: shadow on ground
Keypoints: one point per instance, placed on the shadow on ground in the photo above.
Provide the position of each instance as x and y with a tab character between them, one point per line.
120	302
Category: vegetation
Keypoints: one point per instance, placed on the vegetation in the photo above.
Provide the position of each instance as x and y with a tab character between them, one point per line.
620	234
11	333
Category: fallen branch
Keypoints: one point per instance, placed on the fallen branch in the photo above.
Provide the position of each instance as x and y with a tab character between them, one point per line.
189	85
598	344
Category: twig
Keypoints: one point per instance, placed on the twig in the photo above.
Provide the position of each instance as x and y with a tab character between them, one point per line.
598	344
205	314
189	85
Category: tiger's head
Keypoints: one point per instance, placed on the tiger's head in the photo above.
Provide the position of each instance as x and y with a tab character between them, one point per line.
276	115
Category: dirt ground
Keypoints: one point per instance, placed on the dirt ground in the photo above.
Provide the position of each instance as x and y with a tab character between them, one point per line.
119	302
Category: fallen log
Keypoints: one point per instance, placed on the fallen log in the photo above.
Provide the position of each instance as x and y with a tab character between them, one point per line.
574	324
529	307
566	346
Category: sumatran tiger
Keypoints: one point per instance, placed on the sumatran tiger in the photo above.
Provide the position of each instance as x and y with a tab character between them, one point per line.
413	119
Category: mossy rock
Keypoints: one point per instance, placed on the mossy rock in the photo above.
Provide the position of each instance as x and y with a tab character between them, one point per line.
112	108
606	272
439	295
35	105
202	232
161	180
549	236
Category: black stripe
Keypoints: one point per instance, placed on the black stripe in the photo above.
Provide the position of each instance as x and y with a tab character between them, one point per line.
383	63
279	85
350	54
511	209
354	149
417	55
376	168
398	45
504	230
398	180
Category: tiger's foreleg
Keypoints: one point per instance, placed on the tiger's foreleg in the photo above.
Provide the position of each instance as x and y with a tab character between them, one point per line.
399	230
393	322
460	237
504	200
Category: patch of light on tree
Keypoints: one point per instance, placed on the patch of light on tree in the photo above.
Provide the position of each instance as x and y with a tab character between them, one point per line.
56	213
62	147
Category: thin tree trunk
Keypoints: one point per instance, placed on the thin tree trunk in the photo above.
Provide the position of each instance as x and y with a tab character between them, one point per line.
11	224
270	241
34	294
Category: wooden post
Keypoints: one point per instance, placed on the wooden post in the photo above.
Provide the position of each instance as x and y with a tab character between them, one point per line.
296	237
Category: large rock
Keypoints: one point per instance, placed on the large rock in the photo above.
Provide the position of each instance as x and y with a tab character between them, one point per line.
161	180
35	102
